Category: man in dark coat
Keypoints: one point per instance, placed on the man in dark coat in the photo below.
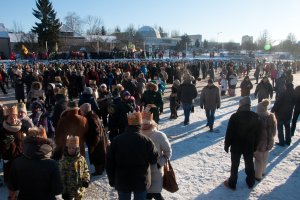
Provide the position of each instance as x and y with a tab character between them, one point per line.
283	109
242	136
96	139
186	93
210	101
264	90
296	110
128	160
34	174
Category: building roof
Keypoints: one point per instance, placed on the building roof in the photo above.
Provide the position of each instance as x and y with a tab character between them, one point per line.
66	29
3	31
149	32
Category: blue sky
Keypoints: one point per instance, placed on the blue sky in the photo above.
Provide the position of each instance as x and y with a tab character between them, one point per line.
234	18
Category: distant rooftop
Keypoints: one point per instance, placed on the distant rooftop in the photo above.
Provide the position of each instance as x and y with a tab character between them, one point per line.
3	31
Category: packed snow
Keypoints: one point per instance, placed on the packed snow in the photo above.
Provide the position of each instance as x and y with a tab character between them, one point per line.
201	164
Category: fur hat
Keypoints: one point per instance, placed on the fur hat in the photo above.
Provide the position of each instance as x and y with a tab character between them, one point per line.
92	82
141	75
22	107
37	132
176	82
187	78
72	104
72	141
85	108
262	107
103	85
57	79
88	90
245	101
151	85
134	118
126	75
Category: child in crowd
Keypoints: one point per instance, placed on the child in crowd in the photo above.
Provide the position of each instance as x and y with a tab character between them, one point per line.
74	171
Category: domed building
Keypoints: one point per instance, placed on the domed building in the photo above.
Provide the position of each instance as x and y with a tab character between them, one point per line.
153	39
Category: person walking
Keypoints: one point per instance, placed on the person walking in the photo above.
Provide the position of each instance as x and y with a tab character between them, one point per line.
162	144
263	90
246	86
242	137
128	160
186	93
296	110
210	101
266	138
283	109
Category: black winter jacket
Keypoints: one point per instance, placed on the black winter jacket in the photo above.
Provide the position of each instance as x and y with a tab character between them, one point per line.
128	160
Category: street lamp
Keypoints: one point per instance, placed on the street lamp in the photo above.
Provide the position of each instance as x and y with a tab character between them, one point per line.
218	40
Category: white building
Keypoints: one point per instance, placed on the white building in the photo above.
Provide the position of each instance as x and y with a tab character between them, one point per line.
247	39
4	42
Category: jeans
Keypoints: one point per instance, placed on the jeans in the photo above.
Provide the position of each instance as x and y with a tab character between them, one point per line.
294	121
249	169
137	195
186	110
210	115
287	136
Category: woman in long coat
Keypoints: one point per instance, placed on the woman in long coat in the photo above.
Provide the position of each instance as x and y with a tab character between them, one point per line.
19	87
246	86
266	138
162	144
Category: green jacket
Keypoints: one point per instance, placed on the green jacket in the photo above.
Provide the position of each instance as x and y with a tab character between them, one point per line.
74	173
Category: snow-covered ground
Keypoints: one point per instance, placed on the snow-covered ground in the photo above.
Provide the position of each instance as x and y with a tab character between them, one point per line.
201	164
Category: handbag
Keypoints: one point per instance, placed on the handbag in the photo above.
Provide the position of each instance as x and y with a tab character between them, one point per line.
169	179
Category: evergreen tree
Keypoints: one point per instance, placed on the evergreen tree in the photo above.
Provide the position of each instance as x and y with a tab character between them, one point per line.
103	30
197	43
48	27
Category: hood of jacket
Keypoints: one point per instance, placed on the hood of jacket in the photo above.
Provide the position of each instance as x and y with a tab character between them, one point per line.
36	148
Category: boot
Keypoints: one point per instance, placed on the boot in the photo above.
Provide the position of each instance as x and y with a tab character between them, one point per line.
98	170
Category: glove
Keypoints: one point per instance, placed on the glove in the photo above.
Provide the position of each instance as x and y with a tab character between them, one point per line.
85	184
226	149
201	107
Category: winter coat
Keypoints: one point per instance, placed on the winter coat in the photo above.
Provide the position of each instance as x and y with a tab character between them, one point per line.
297	98
174	101
284	105
153	97
128	161
267	131
61	104
232	81
11	144
74	174
36	94
34	174
122	110
224	84
246	86
164	150
210	98
263	90
186	93
70	123
19	89
280	84
242	132
130	86
96	139
89	98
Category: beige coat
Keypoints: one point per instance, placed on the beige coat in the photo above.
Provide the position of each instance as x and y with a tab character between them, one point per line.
164	149
268	131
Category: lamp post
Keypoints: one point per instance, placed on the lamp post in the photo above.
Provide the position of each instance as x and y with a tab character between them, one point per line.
218	40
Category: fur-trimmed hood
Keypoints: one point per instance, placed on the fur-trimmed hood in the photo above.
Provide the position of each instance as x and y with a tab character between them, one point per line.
151	85
37	148
36	84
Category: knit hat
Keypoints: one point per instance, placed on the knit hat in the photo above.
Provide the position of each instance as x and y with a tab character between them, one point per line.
22	107
37	132
72	141
126	93
103	85
88	90
245	101
85	108
134	118
262	106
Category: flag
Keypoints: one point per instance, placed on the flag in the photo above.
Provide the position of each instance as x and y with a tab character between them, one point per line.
25	50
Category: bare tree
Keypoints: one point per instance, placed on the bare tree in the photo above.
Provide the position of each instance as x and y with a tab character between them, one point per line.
18	31
175	33
94	25
291	37
263	39
117	29
74	21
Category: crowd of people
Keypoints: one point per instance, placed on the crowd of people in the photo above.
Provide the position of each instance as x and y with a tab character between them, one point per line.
111	106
